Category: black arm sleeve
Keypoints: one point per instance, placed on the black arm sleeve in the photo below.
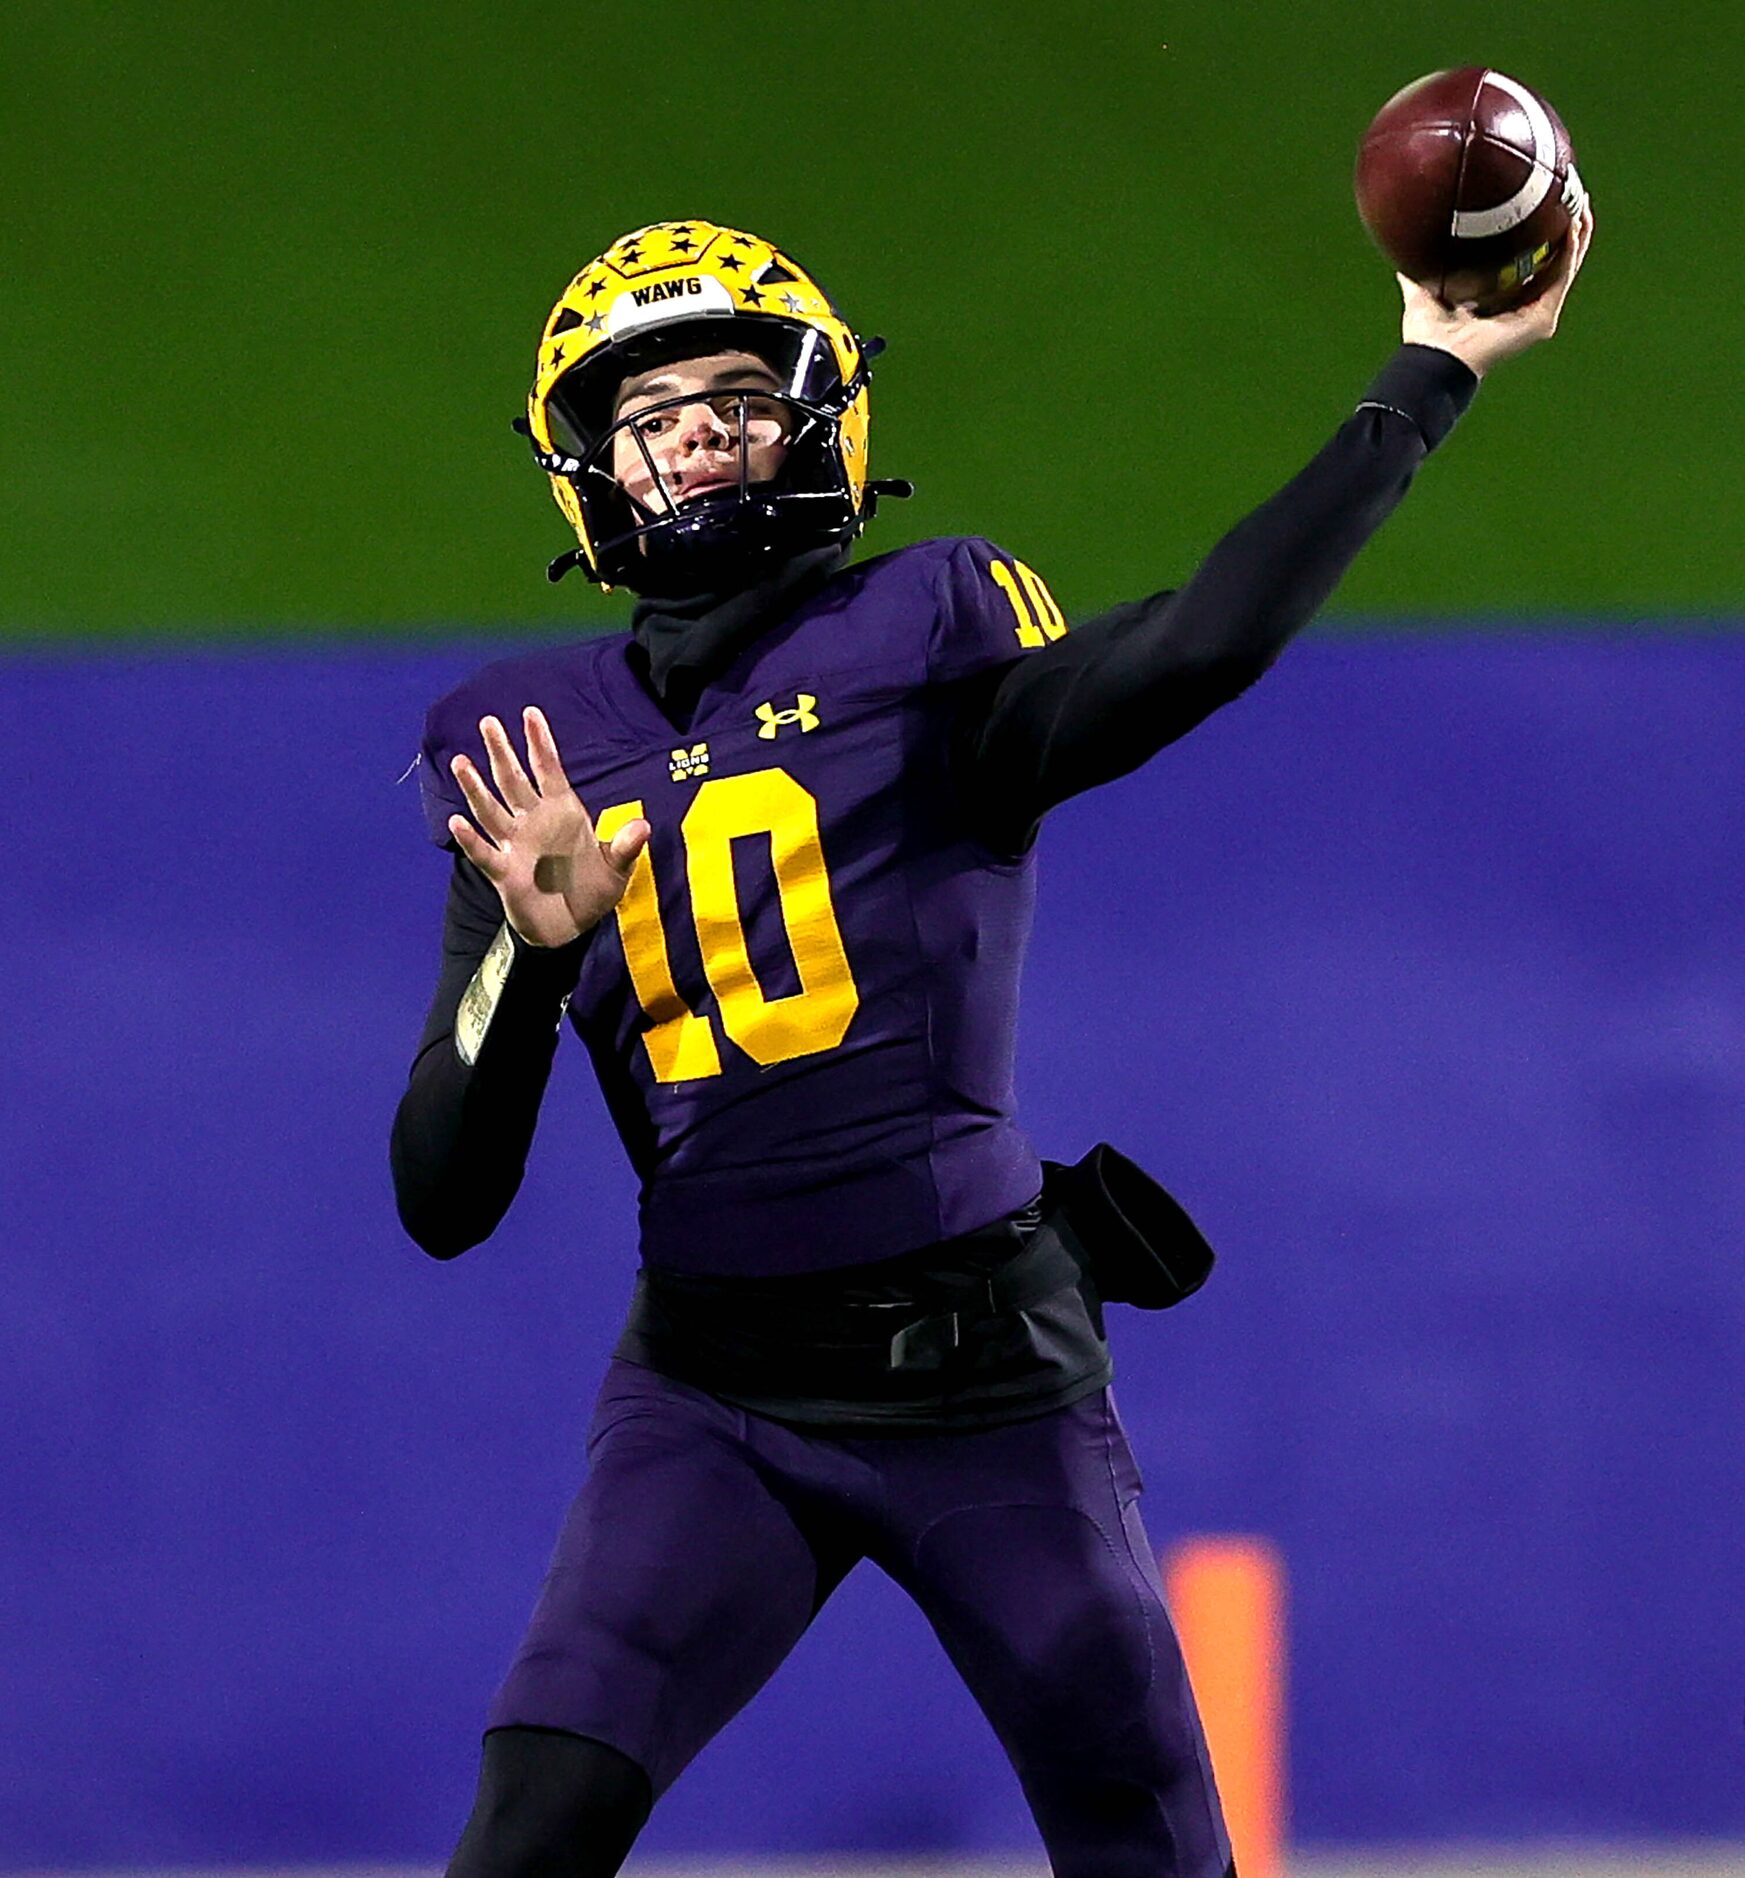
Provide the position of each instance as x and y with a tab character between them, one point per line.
462	1131
1098	703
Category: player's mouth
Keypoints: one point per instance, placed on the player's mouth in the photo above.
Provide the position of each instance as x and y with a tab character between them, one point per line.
713	486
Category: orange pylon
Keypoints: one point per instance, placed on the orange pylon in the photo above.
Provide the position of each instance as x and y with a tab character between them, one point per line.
1227	1597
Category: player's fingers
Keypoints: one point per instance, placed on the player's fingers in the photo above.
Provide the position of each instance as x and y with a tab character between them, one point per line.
621	851
1569	265
488	812
506	770
1584	233
1579	237
542	753
474	846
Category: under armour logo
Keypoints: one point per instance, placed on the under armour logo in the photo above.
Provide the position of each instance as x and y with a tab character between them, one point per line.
770	720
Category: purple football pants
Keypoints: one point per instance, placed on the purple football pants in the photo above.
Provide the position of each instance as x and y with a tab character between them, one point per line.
706	1538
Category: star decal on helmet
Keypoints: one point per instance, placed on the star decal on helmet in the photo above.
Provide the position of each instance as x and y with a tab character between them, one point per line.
730	264
595	322
594	288
792	302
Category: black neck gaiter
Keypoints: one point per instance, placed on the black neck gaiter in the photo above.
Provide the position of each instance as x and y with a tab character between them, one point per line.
691	639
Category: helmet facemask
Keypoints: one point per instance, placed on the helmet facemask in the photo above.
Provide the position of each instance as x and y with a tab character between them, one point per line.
666	543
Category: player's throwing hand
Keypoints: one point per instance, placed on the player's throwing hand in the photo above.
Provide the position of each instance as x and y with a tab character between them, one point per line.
538	848
1481	342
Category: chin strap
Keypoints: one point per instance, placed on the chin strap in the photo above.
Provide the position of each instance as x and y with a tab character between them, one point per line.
555	570
575	557
896	487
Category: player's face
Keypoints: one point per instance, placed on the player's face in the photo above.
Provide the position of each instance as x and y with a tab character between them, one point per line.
695	418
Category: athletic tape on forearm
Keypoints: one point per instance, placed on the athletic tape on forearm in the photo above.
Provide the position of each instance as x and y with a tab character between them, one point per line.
484	992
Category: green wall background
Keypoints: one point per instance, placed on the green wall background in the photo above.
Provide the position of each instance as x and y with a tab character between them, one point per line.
276	270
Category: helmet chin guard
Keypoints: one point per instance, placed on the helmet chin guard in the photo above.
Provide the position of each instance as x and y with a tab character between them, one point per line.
679	291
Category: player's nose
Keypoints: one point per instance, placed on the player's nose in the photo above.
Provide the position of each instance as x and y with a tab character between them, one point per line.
701	426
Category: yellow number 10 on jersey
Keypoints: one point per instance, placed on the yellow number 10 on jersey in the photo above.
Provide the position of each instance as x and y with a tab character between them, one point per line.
1038	618
680	1042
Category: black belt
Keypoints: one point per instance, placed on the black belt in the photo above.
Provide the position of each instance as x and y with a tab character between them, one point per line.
986	1328
916	1331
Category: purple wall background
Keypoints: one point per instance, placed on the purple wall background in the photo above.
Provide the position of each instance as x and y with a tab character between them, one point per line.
1420	973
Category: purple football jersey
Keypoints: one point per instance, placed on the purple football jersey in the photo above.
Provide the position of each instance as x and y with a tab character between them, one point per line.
802	1015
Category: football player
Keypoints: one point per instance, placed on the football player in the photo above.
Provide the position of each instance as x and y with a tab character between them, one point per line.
771	849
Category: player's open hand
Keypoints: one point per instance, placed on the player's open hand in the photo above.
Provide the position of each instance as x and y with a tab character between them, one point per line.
1484	342
535	843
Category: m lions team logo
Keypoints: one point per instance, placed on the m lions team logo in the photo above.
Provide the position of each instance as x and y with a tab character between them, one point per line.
772	722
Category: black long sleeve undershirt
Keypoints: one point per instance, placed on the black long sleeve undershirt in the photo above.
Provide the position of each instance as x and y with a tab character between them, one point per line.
1081	711
462	1131
1119	688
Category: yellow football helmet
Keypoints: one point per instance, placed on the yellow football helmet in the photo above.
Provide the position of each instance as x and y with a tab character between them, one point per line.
683	290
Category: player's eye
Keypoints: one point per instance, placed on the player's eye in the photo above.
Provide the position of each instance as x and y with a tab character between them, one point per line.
653	424
765	419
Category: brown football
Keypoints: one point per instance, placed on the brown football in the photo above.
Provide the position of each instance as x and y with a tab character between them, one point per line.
1467	182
